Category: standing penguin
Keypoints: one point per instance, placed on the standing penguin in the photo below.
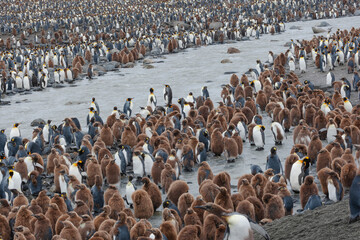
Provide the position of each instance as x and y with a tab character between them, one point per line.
90	71
95	105
278	132
273	162
167	95
335	188
259	137
299	170
128	106
302	63
15	131
129	190
152	101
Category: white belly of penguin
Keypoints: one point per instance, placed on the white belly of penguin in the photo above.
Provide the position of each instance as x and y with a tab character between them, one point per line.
240	229
294	176
138	166
331	132
332	191
148	162
129	191
258	139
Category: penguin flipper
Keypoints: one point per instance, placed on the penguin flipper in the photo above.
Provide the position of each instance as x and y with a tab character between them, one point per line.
259	229
301	175
322	130
340	129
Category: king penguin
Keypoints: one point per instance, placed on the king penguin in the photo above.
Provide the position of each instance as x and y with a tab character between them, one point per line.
128	106
299	170
130	189
15	131
354	199
167	95
152	101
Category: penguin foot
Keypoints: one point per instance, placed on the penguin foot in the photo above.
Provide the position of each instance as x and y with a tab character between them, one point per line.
131	206
231	160
259	149
355	219
252	144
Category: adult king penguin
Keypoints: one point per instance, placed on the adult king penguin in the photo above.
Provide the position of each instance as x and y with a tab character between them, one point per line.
259	137
167	95
299	170
152	101
128	106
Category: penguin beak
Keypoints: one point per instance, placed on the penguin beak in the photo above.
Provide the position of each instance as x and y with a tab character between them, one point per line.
201	207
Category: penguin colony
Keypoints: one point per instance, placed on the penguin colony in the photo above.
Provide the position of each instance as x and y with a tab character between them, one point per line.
153	147
42	48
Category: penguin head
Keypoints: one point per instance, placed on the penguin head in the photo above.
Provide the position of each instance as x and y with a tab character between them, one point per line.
273	150
129	99
93	99
306	82
2	130
16	125
262	127
151	90
345	99
91	109
306	161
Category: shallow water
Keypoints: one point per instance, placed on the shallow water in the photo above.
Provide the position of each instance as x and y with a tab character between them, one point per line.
185	72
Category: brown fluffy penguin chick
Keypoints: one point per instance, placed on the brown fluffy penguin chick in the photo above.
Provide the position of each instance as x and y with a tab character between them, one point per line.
81	208
208	190
223	180
239	142
204	172
60	202
307	189
223	199
245	176
247	208
104	215
191	218
25	232
58	225
274	206
74	218
236	198
112	173
290	160
5	207
86	227
198	202
84	194
128	137
271	187
156	170
24	218
70	231
336	151
168	175
230	149
323	160
169	230
116	204
258	182
348	173
107	135
314	147
107	225
138	230
21	168
5	228
348	157
93	170
20	200
185	201
337	164
220	232
322	176
177	188
217	142
153	191
258	206
58	168
109	193
143	207
246	190
190	232
42	230
211	222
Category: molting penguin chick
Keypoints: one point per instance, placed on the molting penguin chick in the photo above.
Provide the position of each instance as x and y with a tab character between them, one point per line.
259	137
273	162
231	149
168	175
204	172
307	189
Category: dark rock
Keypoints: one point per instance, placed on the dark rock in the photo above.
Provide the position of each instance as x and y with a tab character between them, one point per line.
36	122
